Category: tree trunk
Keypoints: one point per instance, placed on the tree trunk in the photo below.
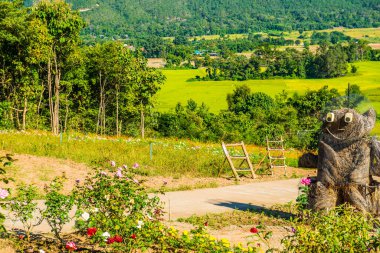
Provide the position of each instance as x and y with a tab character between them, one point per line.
100	102
24	113
56	94
142	124
39	104
117	111
49	84
104	114
17	119
102	106
66	113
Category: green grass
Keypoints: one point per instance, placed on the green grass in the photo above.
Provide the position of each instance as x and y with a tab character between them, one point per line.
170	157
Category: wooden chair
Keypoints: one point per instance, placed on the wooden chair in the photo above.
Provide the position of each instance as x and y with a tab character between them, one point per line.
243	158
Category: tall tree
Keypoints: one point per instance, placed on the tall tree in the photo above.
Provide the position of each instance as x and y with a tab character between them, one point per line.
63	27
20	55
145	84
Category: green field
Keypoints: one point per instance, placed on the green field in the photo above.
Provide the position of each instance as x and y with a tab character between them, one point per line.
213	93
369	34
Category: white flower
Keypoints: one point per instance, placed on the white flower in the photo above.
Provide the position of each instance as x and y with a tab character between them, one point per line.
41	251
95	210
106	235
139	224
85	216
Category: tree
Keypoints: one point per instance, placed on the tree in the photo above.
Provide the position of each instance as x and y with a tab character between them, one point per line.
329	62
63	26
354	96
21	52
145	83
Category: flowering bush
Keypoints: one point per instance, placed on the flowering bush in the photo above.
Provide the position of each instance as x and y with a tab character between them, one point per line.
5	161
339	230
302	199
21	207
116	213
58	207
114	208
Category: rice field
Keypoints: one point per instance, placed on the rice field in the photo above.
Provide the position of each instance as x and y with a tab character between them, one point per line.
370	34
214	93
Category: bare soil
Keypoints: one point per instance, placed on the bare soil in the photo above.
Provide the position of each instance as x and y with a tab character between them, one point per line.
40	171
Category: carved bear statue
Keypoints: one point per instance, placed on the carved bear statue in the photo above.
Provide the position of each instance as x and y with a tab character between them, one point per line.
345	161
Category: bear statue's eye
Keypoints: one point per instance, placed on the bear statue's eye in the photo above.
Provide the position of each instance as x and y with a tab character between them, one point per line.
348	117
330	117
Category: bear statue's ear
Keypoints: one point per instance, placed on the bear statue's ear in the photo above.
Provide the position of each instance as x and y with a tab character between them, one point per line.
369	119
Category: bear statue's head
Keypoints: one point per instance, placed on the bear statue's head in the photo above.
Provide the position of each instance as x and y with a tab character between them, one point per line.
347	124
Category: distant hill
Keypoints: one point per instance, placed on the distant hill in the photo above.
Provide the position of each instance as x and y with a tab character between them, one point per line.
200	17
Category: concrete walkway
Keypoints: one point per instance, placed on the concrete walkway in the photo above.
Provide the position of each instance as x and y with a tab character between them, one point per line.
214	200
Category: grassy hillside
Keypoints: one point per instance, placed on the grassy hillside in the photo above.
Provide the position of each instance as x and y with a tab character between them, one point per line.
213	93
199	17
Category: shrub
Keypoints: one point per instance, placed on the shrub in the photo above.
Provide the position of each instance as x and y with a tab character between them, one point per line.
58	207
24	209
115	204
339	230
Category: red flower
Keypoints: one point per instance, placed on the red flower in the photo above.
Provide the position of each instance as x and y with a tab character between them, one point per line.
118	238
110	240
91	231
206	223
133	236
70	246
254	230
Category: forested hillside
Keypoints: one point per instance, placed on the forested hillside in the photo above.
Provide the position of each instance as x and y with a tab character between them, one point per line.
199	17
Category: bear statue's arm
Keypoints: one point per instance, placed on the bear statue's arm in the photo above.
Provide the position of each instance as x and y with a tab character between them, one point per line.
375	157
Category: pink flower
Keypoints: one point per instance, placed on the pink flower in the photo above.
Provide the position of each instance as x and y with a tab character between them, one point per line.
103	173
305	181
118	173
136	165
3	193
70	246
113	163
